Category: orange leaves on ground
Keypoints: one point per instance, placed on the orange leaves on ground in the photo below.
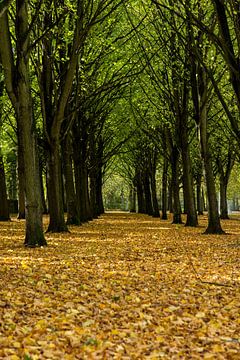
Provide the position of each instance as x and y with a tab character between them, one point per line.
121	287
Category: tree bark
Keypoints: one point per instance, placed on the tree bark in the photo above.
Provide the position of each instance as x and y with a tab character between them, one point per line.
200	205
177	219
21	182
214	225
80	158
164	189
55	193
147	193
223	199
189	200
132	199
18	87
72	211
4	207
140	194
155	206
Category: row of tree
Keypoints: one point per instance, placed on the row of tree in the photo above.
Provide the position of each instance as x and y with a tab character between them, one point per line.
190	85
144	80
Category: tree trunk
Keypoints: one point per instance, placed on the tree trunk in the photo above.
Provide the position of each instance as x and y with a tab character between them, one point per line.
72	211
55	194
177	219
21	182
44	205
200	205
164	189
170	196
81	182
99	196
80	158
156	212
223	199
20	95
189	200
99	180
214	225
93	193
140	194
147	192
4	207
132	199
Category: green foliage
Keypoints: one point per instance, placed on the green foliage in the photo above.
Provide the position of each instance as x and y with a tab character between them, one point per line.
115	192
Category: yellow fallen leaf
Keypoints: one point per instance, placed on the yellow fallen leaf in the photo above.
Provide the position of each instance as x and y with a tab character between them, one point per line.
218	348
16	344
14	357
160	339
200	315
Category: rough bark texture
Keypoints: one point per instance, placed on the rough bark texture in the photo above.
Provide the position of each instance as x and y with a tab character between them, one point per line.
80	158
223	200
189	200
4	208
132	199
153	169
200	206
177	219
72	211
140	194
18	87
225	164
21	182
164	189
214	225
170	196
147	193
55	193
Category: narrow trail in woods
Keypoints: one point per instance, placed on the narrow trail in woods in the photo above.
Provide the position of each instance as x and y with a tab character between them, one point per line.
124	286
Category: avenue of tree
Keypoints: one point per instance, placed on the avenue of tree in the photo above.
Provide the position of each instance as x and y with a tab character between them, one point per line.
146	87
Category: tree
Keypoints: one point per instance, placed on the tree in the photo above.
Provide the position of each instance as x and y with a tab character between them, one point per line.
17	83
4	208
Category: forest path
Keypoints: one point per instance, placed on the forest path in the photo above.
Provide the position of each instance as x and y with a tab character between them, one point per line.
124	286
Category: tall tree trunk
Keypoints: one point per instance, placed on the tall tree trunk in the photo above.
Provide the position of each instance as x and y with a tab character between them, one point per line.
81	182
224	175
21	182
18	87
99	195
214	225
140	194
223	199
132	199
156	212
72	211
164	189
55	193
4	207
99	179
170	196
200	205
189	200
44	205
147	192
177	219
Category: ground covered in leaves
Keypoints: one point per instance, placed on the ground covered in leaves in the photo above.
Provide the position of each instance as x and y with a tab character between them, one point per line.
123	286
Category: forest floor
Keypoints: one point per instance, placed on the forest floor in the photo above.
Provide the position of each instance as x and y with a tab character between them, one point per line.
123	286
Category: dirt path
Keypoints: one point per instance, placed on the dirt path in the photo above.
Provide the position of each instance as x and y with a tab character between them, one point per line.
121	287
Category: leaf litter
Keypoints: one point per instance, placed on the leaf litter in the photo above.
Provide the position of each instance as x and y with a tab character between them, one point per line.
124	286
